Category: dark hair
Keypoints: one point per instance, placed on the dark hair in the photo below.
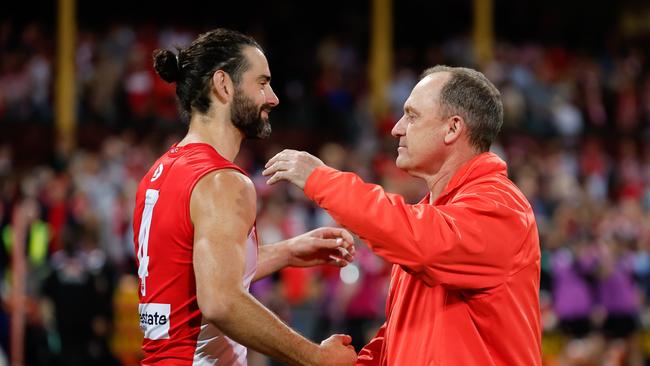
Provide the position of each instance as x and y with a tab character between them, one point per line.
469	94
193	67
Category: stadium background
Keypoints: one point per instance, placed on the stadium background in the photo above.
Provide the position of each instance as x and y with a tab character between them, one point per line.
77	134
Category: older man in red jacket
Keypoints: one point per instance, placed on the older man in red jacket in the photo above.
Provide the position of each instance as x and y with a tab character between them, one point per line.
465	280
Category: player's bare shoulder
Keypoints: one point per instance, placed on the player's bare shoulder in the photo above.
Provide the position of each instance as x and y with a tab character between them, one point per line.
224	189
233	181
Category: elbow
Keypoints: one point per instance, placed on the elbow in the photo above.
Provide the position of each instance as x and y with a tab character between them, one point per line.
218	311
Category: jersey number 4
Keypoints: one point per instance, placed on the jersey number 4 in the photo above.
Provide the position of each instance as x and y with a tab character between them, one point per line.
150	200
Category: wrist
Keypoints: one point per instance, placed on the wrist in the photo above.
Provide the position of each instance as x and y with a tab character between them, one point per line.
316	357
307	354
284	249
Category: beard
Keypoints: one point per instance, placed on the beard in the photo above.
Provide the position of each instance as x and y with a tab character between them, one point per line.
247	117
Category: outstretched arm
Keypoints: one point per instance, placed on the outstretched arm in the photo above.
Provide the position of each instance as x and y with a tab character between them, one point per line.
468	243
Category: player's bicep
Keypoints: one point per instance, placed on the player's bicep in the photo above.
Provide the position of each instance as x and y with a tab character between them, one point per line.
222	209
224	197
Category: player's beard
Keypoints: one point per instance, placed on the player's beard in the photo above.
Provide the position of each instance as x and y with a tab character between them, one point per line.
247	117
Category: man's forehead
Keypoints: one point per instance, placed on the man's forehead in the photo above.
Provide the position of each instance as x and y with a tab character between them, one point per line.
433	82
429	87
255	56
254	52
258	63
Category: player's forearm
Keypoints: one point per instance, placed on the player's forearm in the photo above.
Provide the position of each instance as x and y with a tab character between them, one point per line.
249	323
271	258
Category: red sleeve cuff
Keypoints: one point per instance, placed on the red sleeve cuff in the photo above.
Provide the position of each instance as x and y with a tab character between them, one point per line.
316	179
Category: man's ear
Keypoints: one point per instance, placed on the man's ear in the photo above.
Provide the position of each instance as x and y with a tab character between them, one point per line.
455	128
222	86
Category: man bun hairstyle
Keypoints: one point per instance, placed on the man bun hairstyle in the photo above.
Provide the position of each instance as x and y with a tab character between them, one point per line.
470	95
166	65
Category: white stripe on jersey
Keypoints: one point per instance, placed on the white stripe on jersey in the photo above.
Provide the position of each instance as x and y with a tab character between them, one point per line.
213	346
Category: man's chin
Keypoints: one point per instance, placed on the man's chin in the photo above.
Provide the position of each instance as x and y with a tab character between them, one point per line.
400	163
265	132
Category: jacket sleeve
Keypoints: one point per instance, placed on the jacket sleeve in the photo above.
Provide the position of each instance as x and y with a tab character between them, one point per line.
371	353
468	243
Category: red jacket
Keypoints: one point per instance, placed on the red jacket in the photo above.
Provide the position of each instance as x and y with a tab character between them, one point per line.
465	282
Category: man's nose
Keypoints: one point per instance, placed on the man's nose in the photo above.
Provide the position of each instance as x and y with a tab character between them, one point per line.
272	99
398	129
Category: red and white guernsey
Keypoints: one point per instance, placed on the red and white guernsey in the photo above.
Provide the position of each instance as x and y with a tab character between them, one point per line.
175	333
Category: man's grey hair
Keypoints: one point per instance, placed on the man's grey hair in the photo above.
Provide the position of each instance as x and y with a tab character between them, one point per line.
470	95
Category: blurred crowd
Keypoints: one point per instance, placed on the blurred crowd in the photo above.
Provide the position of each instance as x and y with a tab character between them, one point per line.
575	136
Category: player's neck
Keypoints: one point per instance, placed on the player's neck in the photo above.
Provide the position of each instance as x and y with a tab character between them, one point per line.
223	136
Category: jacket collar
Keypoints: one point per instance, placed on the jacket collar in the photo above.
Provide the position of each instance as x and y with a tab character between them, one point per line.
482	165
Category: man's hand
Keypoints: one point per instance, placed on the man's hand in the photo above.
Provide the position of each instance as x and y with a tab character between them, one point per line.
337	351
326	245
291	165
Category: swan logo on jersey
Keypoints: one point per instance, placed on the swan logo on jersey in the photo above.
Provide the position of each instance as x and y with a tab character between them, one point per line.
157	173
154	320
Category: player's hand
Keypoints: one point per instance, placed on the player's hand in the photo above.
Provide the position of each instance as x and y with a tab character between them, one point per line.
325	245
291	165
337	351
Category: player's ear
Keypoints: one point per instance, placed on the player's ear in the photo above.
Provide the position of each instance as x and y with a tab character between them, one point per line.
222	86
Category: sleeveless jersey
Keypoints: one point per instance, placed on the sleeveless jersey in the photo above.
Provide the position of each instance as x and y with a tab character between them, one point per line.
175	333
